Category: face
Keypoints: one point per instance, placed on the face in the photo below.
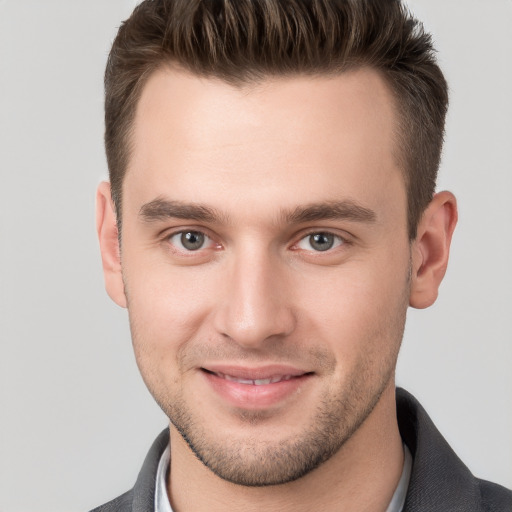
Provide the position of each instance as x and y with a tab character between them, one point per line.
265	263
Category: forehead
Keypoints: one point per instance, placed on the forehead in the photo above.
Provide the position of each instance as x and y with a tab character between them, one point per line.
293	137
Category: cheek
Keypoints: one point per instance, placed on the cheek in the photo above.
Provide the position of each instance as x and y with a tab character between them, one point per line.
360	308
165	313
167	307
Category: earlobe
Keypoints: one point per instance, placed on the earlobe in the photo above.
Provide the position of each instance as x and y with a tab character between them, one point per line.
431	249
106	227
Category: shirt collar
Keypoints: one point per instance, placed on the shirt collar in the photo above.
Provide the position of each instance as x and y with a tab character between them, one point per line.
162	503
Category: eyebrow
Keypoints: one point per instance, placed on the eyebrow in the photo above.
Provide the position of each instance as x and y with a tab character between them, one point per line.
162	209
331	210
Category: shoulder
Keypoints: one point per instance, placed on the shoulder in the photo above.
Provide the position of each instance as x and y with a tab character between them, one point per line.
495	498
439	479
120	504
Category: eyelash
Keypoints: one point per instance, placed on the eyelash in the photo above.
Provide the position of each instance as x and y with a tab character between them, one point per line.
183	250
339	241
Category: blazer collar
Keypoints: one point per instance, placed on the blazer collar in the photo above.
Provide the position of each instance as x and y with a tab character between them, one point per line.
439	479
144	488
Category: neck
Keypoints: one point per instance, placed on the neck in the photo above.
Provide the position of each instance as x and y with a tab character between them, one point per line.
361	476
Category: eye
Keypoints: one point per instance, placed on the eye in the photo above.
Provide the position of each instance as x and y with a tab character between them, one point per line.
320	242
190	240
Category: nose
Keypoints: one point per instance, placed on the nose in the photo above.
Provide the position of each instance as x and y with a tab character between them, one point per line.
255	305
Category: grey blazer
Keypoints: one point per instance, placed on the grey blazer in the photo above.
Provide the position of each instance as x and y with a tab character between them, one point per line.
440	482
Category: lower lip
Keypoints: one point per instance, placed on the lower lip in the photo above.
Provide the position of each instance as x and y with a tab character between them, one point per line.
252	396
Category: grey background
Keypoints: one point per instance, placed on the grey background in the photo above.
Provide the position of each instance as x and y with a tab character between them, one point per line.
76	419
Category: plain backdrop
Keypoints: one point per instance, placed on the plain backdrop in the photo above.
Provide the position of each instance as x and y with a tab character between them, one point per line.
75	417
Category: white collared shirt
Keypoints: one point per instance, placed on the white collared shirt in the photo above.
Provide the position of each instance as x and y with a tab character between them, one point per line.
162	503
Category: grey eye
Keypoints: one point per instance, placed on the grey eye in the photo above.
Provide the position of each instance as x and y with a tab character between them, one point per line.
320	242
189	240
192	240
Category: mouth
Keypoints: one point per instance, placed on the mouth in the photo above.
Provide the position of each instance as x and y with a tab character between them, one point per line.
253	382
256	388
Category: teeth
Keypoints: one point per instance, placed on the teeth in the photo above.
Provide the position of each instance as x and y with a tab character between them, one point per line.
261	382
234	379
255	382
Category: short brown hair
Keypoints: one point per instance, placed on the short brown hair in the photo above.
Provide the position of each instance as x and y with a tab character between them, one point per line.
243	41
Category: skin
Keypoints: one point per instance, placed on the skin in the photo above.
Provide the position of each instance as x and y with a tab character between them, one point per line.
269	165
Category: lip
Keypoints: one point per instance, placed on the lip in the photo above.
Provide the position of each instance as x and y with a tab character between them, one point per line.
255	388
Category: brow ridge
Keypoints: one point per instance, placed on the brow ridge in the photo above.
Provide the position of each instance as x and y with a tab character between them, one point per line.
162	209
331	210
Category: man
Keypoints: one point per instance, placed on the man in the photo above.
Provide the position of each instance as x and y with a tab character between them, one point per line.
269	218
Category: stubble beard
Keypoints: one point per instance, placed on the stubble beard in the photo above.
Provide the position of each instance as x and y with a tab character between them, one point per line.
257	463
253	462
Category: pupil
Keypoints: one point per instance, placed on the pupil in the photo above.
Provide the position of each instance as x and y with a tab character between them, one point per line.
192	240
321	241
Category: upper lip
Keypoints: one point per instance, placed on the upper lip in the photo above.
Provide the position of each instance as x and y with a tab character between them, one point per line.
255	373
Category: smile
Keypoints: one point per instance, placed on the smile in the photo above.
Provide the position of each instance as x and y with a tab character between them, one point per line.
255	388
254	382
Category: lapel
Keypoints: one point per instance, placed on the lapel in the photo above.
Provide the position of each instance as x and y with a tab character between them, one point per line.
144	488
439	479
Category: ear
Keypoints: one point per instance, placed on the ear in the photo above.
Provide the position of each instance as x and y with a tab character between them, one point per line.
106	227
431	248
